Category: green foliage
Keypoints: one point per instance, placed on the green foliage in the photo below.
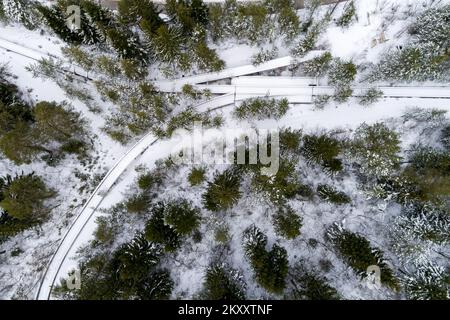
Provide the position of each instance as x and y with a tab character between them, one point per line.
222	283
58	122
20	11
342	94
429	170
426	56
318	66
196	176
287	223
290	140
371	96
148	180
283	185
328	193
308	42
342	73
223	192
261	108
347	16
248	22
207	59
309	285
289	22
320	101
323	150
428	282
187	118
130	272
156	229
182	217
264	56
359	254
376	147
270	267
140	12
138	203
23	198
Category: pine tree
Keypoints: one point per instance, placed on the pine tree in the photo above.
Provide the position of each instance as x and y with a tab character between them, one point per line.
24	198
359	254
305	284
287	223
58	122
376	147
270	267
182	216
166	43
19	11
261	108
54	17
347	16
223	192
156	230
223	283
328	193
135	259
318	66
371	96
428	282
342	73
323	149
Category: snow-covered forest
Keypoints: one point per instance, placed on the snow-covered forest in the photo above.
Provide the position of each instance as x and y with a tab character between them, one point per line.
95	97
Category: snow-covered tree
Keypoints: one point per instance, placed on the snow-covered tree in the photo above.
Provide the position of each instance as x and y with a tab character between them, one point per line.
20	11
287	223
428	282
348	15
304	283
270	267
370	96
318	66
223	192
359	254
376	148
223	283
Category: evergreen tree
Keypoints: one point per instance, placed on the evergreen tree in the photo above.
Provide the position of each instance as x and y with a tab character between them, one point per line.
318	66
359	255
323	149
223	283
184	218
167	44
58	122
223	192
371	96
348	15
55	19
270	267
307	284
22	144
24	198
376	147
20	11
428	282
196	176
328	193
287	223
342	73
262	108
156	230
